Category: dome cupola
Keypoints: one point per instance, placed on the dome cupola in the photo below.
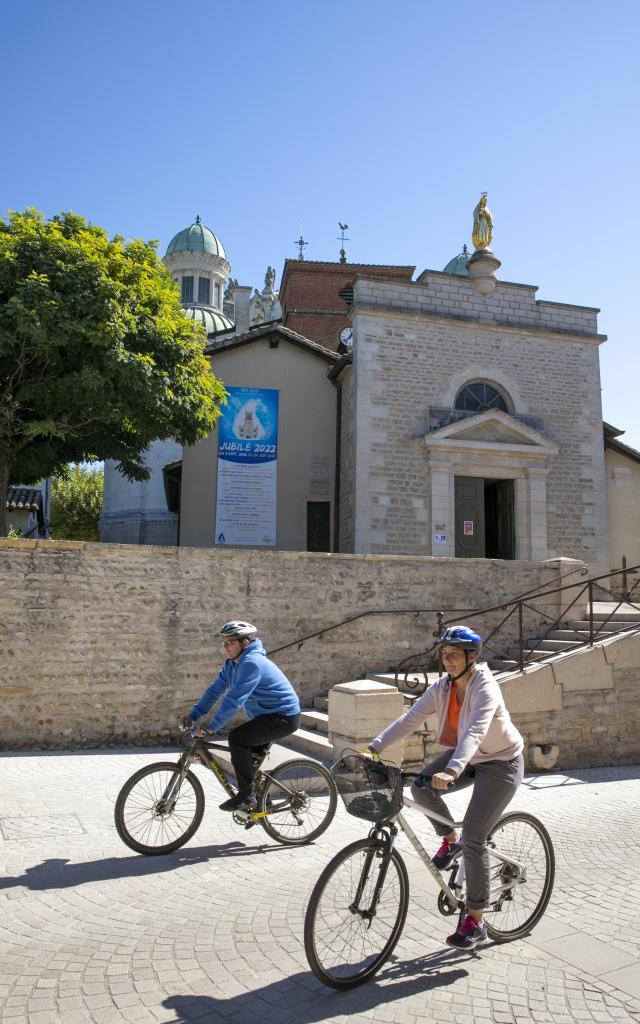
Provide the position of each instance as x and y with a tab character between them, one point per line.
196	260
458	265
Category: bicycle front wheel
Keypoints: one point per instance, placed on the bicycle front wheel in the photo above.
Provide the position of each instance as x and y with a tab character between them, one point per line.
154	813
356	914
522	867
299	801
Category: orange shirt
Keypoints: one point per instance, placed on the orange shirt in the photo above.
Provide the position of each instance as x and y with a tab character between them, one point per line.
455	704
449	734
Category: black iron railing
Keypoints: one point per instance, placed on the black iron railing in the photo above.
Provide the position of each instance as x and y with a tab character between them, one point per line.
500	641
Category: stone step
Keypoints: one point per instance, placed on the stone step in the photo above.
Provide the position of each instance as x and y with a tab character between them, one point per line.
311	743
321	703
315	720
623	620
557	645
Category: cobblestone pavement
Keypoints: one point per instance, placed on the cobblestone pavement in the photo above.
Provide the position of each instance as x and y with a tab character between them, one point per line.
93	934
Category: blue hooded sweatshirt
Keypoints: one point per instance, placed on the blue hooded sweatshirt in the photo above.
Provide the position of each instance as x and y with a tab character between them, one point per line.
253	683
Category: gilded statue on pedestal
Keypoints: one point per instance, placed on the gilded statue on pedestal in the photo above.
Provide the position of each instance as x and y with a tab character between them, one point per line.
482	224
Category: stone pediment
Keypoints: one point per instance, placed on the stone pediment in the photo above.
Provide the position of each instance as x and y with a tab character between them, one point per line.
493	430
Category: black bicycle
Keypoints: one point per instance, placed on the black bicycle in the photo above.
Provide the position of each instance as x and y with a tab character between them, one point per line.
160	807
359	904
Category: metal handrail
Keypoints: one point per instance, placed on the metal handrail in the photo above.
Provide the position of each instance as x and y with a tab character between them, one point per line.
534	592
595	627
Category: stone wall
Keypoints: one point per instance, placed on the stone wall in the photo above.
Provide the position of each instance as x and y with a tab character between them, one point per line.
585	704
104	644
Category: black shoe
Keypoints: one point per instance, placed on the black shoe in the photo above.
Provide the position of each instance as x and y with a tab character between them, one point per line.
240	800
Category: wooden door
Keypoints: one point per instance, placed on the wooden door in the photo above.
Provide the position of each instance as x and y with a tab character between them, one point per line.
469	500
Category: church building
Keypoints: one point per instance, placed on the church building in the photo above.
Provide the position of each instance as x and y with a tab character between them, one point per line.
451	415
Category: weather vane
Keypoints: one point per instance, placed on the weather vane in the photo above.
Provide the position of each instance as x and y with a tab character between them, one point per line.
343	239
301	243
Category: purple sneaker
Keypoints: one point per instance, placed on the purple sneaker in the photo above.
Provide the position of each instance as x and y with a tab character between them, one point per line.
447	853
468	935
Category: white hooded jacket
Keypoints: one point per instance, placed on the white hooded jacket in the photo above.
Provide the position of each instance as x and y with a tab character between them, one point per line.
485	729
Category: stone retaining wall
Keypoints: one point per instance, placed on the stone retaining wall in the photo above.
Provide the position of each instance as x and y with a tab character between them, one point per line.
104	644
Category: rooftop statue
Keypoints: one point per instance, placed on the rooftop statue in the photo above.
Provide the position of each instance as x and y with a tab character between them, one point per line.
482	224
270	278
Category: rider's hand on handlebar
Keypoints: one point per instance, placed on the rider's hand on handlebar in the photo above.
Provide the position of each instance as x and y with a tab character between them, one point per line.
442	780
202	733
372	752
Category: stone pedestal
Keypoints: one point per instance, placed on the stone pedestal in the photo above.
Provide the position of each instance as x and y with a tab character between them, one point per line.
482	267
361	709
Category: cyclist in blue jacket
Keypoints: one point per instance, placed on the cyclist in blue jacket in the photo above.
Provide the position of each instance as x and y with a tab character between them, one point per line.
248	680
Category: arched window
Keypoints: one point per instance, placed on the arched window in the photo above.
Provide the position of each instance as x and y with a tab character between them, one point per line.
478	397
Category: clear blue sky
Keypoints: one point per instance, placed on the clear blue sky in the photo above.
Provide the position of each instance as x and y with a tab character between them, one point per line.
391	117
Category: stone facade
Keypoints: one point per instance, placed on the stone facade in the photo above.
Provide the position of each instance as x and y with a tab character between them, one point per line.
105	644
415	346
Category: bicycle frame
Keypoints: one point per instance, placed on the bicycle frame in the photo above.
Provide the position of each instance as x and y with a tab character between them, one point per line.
200	751
452	894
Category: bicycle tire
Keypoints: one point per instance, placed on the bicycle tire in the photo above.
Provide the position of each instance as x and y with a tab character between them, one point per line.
141	827
331	922
523	838
312	809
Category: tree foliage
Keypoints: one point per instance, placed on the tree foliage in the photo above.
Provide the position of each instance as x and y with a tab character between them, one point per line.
76	504
97	359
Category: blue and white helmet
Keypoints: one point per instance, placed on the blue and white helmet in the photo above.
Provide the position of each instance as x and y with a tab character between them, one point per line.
461	636
236	629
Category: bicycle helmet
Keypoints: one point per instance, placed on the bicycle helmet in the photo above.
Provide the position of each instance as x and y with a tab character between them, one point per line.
236	629
461	636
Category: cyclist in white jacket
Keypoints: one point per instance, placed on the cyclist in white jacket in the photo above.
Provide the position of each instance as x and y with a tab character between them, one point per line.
484	749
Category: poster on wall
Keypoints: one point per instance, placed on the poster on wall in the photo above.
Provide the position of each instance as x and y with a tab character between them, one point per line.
247	497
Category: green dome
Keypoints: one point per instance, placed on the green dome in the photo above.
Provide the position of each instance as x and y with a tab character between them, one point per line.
196	238
458	265
213	320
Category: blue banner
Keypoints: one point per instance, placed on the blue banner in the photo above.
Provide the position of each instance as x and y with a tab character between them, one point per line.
249	426
247	487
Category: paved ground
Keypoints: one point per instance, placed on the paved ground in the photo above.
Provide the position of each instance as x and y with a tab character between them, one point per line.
92	934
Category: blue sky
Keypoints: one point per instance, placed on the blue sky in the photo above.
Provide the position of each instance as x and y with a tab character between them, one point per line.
391	117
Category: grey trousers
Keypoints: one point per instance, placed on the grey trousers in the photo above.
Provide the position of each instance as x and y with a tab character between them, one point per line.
494	785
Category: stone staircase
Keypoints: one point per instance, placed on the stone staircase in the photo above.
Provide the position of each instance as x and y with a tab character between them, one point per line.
312	739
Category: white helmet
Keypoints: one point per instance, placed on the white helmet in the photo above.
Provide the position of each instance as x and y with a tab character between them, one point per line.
237	629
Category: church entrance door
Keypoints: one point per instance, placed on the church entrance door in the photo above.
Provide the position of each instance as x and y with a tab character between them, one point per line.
484	517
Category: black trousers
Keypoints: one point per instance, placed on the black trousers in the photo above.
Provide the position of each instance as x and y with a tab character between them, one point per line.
246	737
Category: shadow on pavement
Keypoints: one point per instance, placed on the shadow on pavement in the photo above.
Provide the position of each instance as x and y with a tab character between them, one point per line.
582	777
60	873
302	999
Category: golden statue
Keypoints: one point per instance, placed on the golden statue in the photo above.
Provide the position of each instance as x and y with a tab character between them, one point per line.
482	224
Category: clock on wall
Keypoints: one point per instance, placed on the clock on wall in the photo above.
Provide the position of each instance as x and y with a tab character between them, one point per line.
346	336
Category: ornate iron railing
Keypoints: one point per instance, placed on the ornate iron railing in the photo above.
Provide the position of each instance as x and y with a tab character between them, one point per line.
595	589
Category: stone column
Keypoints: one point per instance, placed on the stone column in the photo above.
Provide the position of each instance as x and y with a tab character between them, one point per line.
522	519
361	709
442	506
537	476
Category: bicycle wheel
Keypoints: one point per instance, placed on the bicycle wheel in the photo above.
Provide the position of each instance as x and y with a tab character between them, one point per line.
347	937
300	798
522	883
150	817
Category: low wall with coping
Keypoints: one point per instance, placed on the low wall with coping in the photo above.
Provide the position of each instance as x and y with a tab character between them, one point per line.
104	644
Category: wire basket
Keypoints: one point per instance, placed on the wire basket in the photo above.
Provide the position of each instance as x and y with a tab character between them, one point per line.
369	789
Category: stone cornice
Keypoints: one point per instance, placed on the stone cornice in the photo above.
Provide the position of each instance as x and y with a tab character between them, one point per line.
467	321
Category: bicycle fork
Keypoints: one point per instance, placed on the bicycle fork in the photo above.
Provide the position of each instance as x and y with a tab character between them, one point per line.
383	852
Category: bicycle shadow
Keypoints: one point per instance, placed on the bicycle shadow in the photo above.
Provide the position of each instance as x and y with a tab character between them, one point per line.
60	873
302	999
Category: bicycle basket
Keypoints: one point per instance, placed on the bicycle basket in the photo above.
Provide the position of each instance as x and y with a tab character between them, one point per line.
369	789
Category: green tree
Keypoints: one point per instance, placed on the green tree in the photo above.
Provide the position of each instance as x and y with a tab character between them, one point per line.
97	359
76	503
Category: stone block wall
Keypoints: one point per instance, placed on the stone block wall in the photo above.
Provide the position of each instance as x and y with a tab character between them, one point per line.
105	644
411	354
